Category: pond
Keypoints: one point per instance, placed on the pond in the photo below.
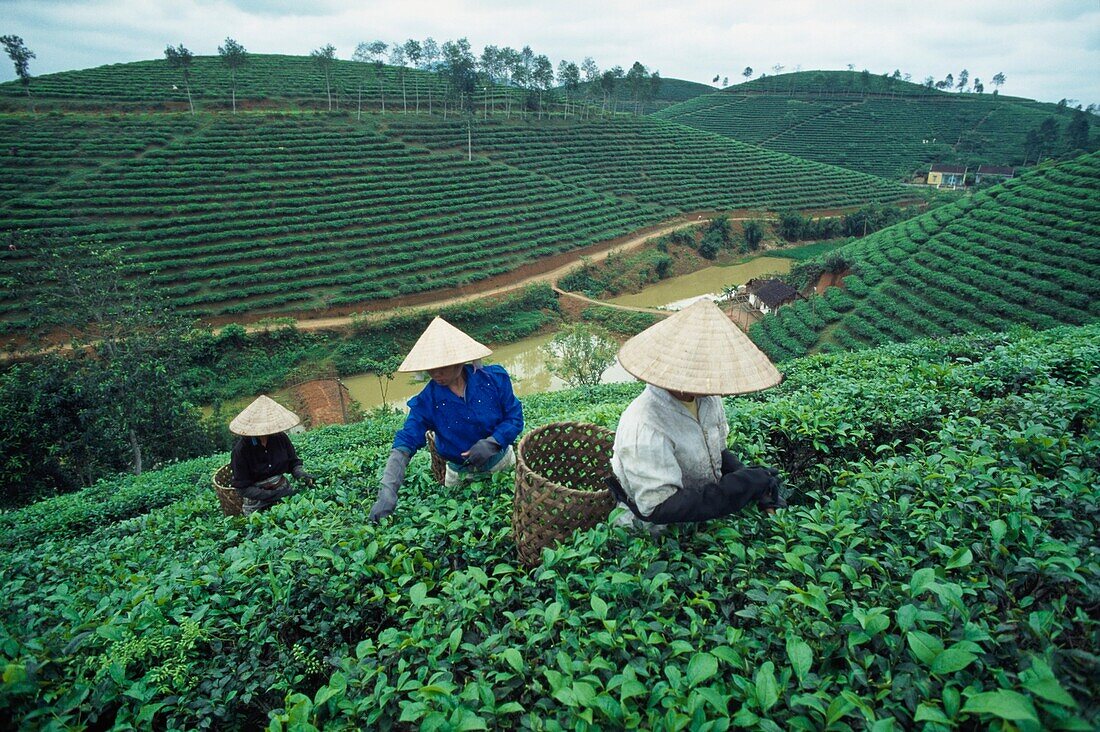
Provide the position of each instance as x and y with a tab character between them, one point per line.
677	292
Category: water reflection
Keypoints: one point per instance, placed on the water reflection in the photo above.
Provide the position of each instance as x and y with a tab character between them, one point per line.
679	292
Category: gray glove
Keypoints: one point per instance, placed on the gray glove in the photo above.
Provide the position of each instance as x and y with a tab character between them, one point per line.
392	477
482	452
300	473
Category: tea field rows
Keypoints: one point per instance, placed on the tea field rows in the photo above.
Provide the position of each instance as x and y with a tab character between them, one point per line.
264	80
890	136
1024	252
656	162
938	568
259	213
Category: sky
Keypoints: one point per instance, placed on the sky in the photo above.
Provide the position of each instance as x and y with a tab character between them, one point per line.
1046	49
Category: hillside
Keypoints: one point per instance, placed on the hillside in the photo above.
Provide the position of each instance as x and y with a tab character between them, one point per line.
265	213
265	80
1024	252
671	91
888	128
937	565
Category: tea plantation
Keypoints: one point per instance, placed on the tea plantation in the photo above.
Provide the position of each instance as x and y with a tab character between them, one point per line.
1026	251
890	128
938	569
266	80
255	213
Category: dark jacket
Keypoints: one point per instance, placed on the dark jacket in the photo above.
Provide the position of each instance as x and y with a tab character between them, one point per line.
252	462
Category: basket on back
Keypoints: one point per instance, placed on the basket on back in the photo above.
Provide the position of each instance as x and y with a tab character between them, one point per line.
227	495
560	474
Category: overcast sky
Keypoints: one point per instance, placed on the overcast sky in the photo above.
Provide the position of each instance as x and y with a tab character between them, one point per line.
1047	49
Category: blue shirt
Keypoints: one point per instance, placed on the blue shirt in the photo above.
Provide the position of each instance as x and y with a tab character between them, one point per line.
488	409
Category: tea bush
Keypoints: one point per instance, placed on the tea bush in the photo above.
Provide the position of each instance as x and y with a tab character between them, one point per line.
938	568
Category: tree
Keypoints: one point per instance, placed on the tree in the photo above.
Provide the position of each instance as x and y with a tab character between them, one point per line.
929	82
637	80
414	52
978	87
180	58
579	354
459	71
20	56
725	81
964	78
234	56
747	72
121	387
431	54
372	53
569	76
1060	108
591	78
325	58
384	370
397	60
543	77
608	81
998	81
1077	131
754	234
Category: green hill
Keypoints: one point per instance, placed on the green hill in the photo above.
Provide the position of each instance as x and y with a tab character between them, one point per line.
937	565
265	81
670	91
1024	252
888	128
276	213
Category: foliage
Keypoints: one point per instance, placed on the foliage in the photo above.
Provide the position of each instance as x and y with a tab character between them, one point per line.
754	234
118	401
1000	257
616	320
579	354
937	566
20	57
874	124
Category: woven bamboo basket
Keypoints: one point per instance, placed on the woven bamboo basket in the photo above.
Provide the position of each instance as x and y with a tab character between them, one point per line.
439	465
560	474
227	494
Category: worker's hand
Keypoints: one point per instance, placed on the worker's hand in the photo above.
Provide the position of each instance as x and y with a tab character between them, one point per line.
481	452
392	476
384	504
300	473
730	463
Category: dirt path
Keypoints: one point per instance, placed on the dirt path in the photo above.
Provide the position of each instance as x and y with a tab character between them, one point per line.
550	276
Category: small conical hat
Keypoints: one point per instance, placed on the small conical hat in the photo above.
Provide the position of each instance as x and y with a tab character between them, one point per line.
265	416
698	351
442	344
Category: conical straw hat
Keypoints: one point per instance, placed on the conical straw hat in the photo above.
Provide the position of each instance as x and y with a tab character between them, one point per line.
265	416
698	351
442	344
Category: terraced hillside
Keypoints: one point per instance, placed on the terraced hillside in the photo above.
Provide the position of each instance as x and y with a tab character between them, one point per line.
656	162
1024	252
891	134
275	213
264	80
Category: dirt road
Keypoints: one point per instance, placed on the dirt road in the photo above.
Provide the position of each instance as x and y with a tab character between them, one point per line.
550	276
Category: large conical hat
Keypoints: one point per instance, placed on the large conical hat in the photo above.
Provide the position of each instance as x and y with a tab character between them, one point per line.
442	344
265	416
698	351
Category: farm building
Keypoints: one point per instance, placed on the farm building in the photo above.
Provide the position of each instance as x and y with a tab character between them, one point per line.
993	174
946	175
767	296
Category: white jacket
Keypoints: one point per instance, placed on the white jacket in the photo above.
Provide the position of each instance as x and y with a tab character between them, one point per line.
660	447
